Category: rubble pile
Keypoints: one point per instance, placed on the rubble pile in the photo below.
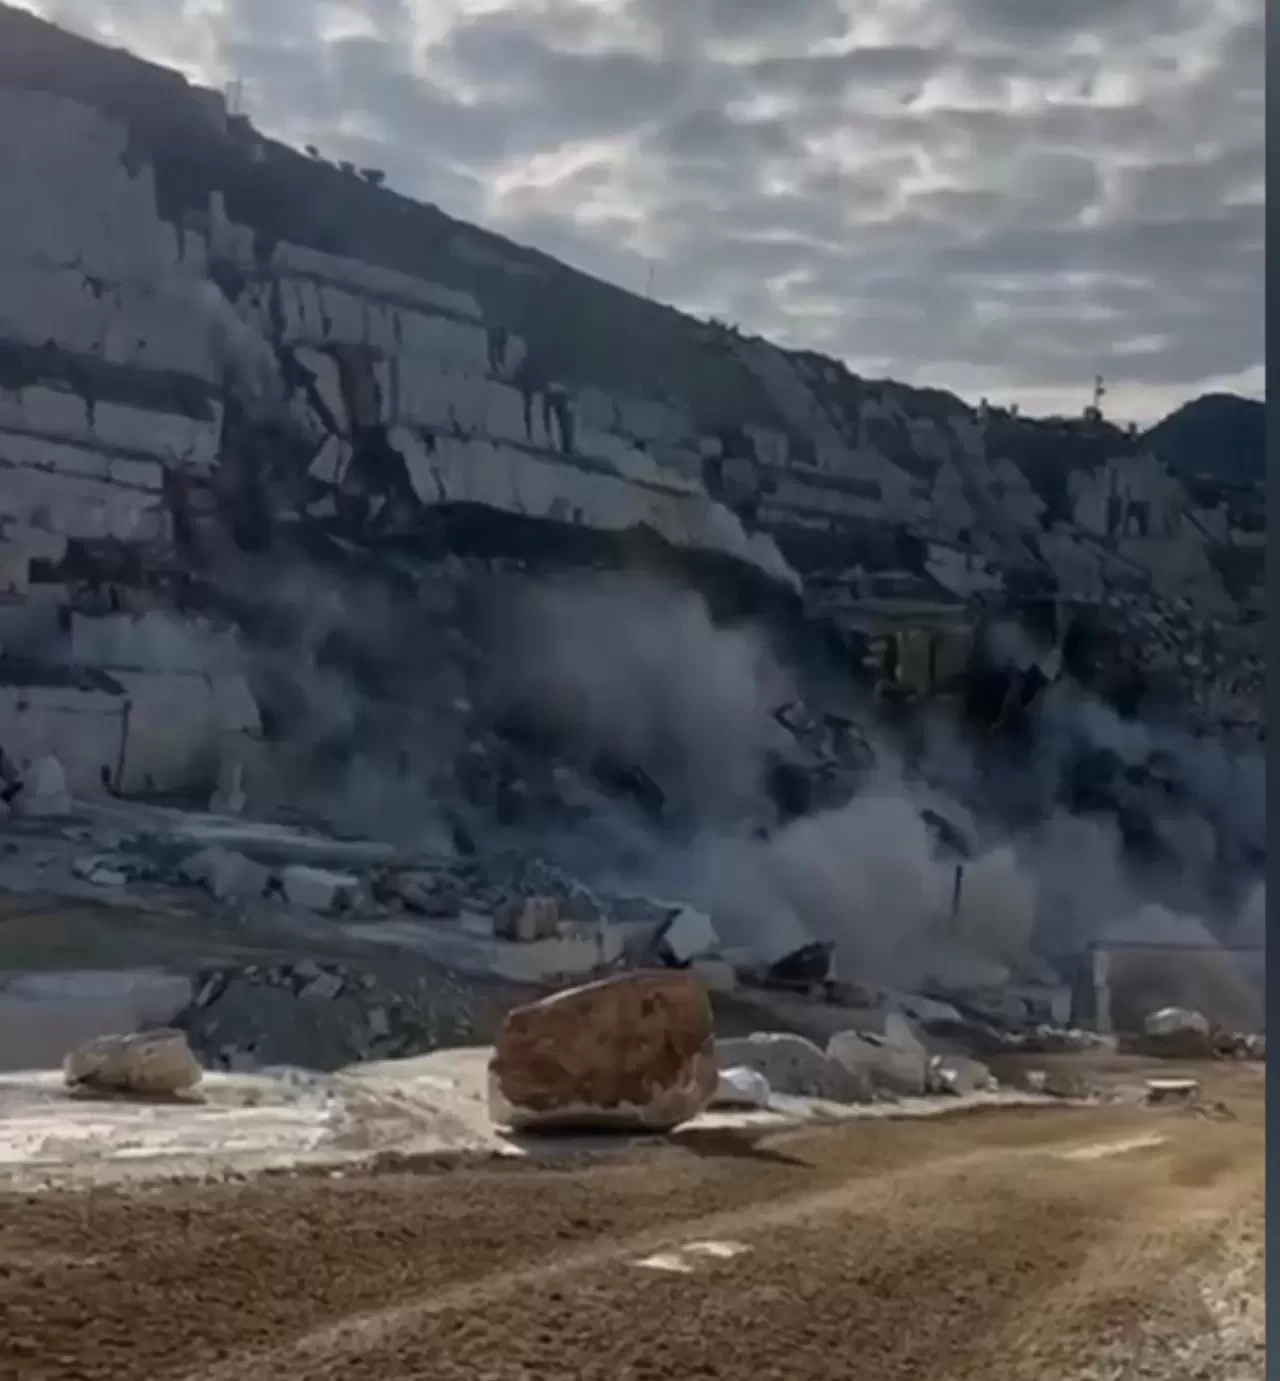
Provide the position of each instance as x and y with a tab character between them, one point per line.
857	1066
320	1016
1048	1040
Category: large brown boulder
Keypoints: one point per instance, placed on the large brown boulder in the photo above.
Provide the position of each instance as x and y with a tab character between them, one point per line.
636	1050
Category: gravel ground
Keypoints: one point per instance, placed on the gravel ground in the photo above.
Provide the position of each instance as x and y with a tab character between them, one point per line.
1079	1244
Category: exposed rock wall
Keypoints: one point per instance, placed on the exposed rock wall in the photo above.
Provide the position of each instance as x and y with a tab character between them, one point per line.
195	320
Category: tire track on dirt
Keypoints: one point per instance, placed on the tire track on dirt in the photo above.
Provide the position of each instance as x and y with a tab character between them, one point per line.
925	1242
922	1212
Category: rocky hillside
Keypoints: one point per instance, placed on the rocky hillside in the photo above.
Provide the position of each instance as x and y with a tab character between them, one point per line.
215	348
1215	436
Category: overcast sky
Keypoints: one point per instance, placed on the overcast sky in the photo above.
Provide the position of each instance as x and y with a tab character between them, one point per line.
1001	197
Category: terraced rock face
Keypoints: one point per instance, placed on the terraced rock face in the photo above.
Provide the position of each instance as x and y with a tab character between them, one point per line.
193	318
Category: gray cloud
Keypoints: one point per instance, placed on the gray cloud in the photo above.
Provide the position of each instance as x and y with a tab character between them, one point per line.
996	195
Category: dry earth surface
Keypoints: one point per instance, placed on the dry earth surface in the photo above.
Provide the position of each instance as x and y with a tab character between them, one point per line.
1107	1242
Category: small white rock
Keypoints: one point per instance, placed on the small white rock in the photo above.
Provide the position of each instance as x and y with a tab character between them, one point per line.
227	874
324	988
318	889
689	935
741	1088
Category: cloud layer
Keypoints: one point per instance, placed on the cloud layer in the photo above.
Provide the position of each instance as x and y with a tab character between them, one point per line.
998	196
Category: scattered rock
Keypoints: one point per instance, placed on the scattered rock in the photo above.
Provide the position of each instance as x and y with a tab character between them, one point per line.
1051	1040
1169	1021
100	871
741	1088
1176	1033
810	964
423	893
537	878
921	1009
793	1066
900	1033
957	1074
893	1061
322	1016
1060	1083
1240	1045
632	1051
148	1063
324	987
227	874
688	935
44	790
319	889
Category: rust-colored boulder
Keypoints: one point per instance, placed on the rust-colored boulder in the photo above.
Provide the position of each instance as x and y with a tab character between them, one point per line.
636	1050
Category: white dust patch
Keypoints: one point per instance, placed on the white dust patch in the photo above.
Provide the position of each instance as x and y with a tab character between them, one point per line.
1103	1150
684	1260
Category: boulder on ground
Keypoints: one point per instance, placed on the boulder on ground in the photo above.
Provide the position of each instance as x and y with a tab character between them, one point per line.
793	1066
741	1088
320	889
892	1062
959	1075
688	935
1240	1045
1177	1033
1050	1040
1062	1083
1169	1021
227	874
145	1062
633	1051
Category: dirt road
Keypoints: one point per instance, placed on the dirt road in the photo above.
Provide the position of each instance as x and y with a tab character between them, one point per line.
1079	1243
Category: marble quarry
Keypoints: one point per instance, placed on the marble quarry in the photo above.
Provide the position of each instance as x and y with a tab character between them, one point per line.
205	332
